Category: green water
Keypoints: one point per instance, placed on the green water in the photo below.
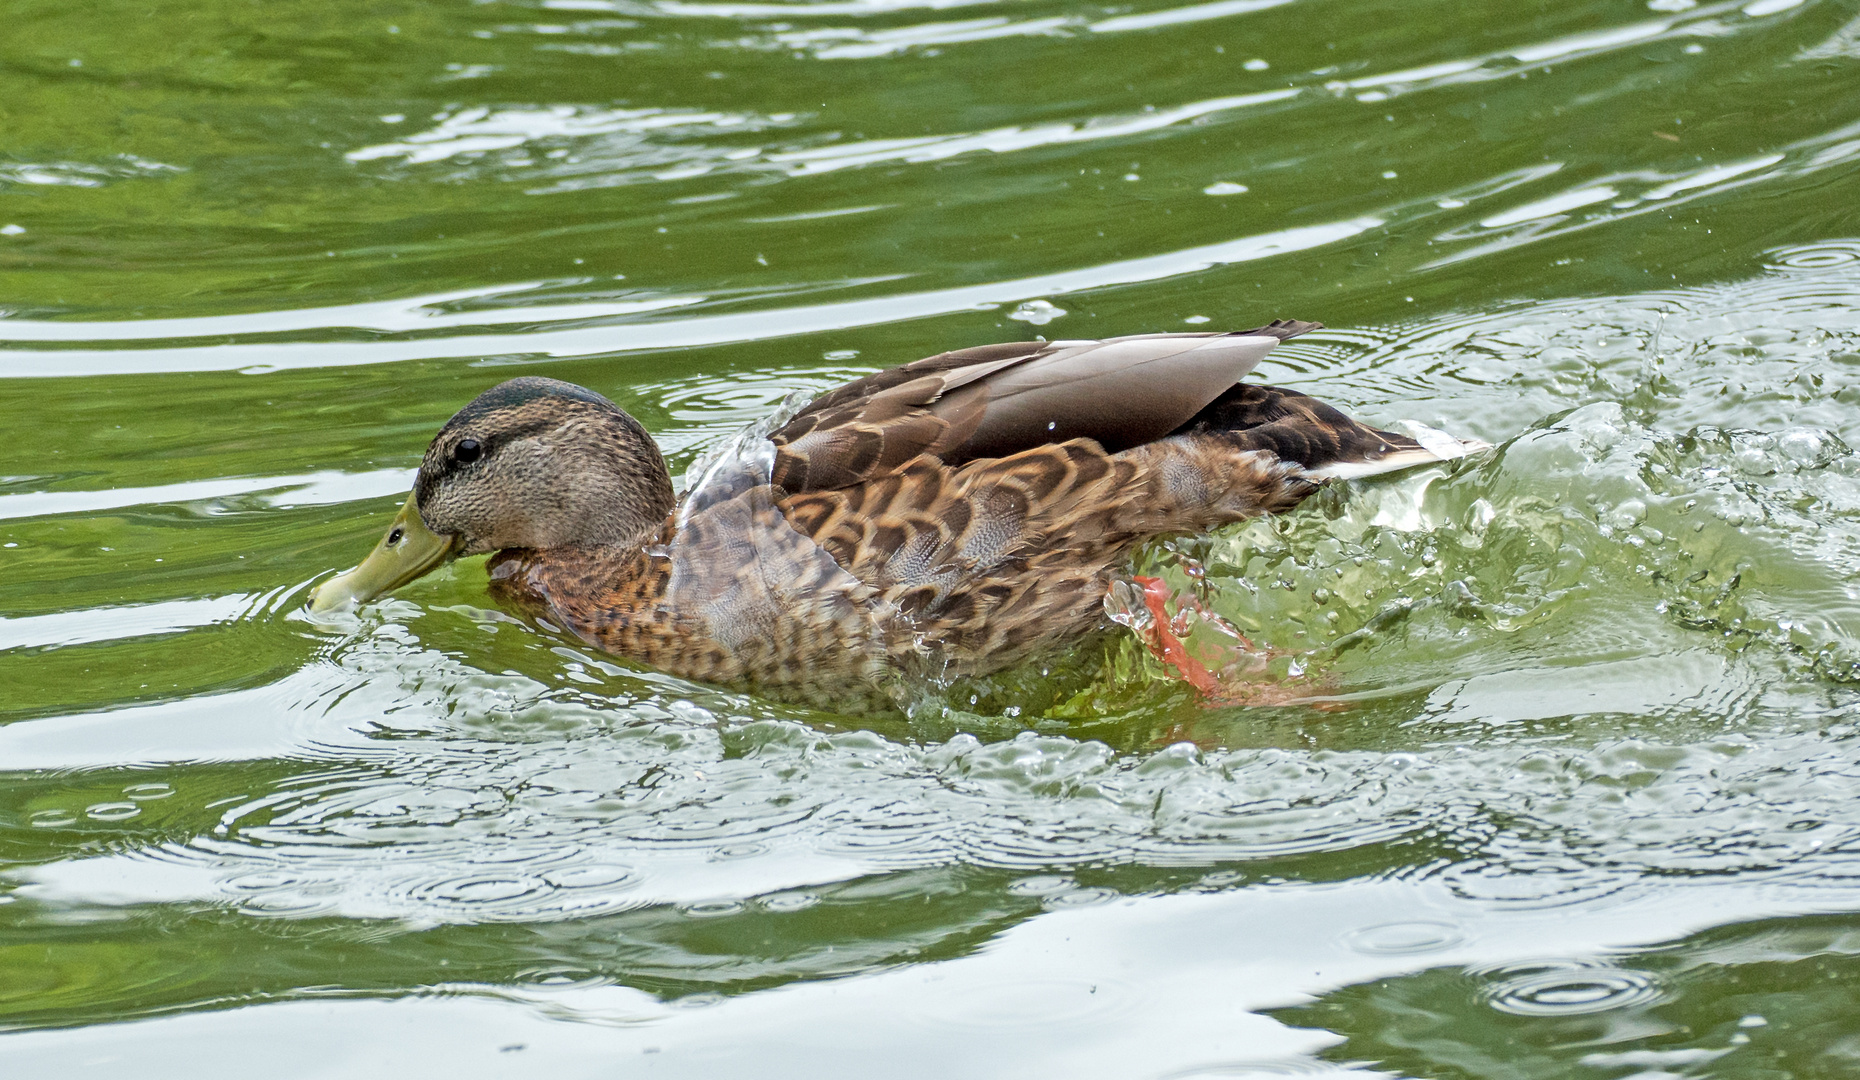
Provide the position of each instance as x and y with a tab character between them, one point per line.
1580	799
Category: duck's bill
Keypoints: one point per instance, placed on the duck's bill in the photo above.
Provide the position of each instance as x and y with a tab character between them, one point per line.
410	550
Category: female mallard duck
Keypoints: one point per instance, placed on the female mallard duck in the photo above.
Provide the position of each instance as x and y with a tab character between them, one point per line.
949	517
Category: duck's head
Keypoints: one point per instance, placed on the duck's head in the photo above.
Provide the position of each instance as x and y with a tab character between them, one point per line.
530	463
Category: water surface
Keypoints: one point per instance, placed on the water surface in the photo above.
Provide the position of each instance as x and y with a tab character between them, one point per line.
1576	796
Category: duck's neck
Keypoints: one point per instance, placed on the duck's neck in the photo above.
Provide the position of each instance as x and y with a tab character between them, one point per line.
616	546
588	591
632	537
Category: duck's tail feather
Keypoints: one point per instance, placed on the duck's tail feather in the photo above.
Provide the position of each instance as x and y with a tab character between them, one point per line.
1427	446
1327	444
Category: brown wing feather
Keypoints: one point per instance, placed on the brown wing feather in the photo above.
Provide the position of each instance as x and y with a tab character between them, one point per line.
999	400
990	558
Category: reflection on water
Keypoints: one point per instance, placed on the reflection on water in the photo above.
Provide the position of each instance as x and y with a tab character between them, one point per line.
1760	978
1570	786
697	330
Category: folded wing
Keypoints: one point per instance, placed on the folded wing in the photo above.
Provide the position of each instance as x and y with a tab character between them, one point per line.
998	400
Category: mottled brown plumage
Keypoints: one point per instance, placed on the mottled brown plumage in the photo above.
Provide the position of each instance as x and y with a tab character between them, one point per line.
944	518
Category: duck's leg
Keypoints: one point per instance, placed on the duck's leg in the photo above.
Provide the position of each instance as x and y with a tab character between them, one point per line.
1222	684
1163	636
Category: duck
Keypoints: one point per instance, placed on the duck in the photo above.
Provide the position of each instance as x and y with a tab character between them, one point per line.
948	518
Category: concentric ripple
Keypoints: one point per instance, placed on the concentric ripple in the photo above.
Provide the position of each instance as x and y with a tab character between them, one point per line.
1555	988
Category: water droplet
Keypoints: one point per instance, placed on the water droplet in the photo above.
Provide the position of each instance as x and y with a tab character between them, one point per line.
1037	312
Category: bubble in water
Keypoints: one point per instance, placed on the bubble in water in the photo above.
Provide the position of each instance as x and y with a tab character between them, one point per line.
1808	447
1752	461
1599	426
1628	513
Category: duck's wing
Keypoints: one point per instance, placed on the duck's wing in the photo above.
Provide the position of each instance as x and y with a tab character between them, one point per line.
1002	399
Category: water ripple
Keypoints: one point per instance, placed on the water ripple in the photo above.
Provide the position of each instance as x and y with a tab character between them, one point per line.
1566	988
699	330
625	810
1696	573
1631	194
312	489
1019	137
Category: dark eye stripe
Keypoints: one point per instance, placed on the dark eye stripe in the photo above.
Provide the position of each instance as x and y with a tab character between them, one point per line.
435	472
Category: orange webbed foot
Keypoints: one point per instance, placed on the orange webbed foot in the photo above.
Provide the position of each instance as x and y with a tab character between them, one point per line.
1225	683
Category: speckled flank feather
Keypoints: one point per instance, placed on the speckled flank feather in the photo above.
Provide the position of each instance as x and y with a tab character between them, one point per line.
949	517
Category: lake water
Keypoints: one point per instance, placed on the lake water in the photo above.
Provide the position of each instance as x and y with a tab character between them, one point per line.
1579	793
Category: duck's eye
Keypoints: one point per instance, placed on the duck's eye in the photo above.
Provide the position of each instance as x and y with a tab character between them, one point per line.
467	451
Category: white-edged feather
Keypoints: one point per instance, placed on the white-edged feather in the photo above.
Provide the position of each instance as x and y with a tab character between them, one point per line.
1436	445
